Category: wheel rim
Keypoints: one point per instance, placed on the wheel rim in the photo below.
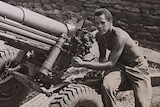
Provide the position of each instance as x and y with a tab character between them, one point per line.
86	103
9	93
9	87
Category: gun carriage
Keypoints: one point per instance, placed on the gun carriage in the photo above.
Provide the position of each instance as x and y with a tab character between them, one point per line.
38	57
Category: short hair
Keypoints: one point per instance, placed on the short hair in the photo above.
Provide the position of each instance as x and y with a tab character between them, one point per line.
104	11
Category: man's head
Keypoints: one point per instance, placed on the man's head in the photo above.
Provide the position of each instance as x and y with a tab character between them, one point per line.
103	20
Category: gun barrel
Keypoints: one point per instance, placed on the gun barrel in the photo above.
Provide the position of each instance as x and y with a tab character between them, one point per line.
27	34
26	28
21	43
34	19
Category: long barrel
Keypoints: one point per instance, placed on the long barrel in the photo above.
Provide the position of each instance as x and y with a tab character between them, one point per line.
34	19
15	25
26	33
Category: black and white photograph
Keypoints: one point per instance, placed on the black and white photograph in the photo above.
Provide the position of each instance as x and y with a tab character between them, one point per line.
79	53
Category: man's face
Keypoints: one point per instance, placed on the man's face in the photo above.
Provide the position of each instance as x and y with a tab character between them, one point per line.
102	24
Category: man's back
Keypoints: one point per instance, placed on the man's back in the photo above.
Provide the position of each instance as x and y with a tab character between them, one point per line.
131	50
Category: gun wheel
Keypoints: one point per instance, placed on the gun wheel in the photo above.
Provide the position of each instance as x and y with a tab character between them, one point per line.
11	91
77	95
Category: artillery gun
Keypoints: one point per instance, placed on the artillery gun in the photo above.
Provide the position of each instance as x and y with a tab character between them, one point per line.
40	58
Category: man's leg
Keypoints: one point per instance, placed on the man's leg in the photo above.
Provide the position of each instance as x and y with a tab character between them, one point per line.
110	86
143	93
141	84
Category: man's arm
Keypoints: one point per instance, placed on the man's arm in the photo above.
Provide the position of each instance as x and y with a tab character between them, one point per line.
102	52
113	57
101	46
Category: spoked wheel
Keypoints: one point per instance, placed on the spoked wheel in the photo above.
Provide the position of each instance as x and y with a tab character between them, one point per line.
77	95
11	91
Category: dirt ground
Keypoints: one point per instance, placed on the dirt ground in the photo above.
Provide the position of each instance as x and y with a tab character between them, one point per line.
126	99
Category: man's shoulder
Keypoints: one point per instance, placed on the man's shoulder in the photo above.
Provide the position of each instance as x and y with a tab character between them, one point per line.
120	33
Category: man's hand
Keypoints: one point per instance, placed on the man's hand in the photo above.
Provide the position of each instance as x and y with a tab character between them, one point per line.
77	62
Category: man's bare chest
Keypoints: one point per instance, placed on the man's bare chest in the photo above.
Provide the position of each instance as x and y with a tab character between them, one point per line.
109	43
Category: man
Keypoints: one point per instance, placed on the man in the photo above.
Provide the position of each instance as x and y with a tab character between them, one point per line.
125	62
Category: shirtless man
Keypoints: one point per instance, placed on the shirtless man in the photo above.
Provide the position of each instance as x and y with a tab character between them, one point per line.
124	64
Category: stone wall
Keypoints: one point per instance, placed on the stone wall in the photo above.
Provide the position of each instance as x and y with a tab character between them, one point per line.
141	18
